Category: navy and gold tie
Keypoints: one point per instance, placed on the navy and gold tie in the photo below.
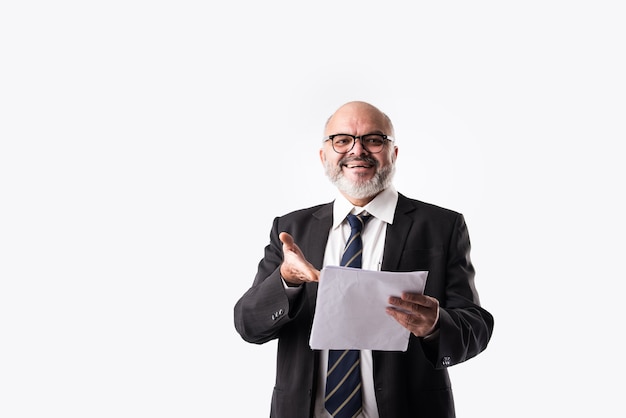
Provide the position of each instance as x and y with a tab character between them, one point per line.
343	396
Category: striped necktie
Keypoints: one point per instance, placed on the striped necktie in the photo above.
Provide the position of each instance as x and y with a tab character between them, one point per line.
343	397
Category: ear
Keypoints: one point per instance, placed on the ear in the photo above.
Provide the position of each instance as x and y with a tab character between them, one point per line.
322	156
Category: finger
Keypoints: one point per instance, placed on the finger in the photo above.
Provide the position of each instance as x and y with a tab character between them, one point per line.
289	244
403	318
418	325
420	299
402	304
286	239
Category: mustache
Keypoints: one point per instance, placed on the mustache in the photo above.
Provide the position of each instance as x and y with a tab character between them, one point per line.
364	159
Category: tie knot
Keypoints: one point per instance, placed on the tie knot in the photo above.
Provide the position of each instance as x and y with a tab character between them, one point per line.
358	221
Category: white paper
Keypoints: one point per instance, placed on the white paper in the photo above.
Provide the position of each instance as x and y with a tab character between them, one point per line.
350	310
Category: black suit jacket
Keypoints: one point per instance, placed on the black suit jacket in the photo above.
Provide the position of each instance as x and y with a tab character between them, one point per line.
407	384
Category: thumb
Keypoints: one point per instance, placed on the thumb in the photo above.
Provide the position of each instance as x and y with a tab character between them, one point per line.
286	239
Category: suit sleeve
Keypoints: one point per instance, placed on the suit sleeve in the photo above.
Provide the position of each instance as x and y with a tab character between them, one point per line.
265	308
465	328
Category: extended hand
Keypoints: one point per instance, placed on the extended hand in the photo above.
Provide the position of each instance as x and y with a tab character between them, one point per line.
295	269
417	313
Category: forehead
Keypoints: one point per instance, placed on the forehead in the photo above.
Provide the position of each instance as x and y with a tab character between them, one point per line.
357	120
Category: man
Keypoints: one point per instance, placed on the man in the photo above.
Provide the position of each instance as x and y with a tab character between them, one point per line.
447	324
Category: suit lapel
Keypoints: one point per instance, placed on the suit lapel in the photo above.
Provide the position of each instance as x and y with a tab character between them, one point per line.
318	235
397	234
316	244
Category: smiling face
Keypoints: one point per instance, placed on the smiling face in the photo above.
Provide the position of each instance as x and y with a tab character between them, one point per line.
359	175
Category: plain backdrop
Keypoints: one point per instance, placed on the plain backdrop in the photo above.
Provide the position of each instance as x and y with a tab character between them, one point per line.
145	148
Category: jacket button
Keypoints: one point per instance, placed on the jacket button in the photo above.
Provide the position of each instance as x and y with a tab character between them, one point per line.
277	314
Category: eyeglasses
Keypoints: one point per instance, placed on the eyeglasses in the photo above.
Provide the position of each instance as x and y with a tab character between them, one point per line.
343	143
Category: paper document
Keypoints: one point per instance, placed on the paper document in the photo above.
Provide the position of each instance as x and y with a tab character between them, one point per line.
350	311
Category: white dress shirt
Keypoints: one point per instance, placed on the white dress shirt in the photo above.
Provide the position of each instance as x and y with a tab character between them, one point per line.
382	208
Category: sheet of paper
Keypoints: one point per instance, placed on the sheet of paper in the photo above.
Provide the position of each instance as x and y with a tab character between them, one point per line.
350	311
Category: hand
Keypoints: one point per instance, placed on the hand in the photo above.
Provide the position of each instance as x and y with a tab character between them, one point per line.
417	313
295	269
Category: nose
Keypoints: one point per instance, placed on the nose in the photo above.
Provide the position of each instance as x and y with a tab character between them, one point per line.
358	142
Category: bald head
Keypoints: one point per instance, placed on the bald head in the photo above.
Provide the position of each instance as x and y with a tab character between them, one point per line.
357	114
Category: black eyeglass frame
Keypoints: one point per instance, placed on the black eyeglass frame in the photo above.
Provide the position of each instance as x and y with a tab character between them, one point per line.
386	139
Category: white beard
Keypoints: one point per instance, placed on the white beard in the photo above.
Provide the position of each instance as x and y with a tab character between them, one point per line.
360	189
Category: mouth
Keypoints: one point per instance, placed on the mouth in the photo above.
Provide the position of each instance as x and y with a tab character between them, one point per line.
361	165
358	163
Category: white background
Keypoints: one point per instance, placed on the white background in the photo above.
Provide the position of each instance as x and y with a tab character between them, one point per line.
139	140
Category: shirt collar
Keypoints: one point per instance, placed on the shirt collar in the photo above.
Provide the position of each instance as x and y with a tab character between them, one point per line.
383	207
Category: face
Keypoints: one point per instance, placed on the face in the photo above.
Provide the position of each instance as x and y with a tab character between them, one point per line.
359	175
